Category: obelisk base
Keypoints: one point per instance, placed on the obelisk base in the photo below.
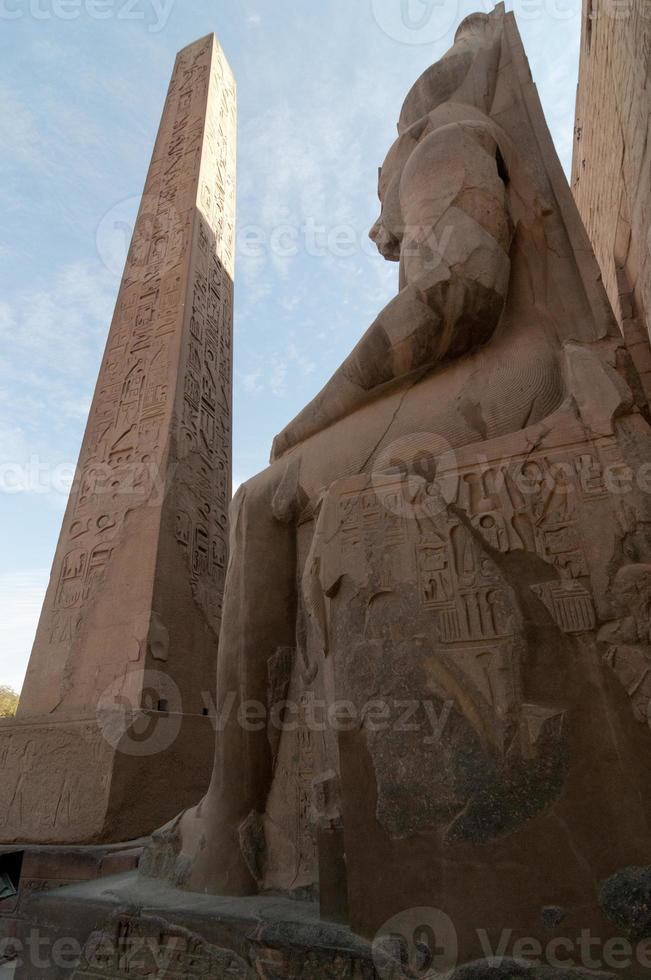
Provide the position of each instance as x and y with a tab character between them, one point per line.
113	777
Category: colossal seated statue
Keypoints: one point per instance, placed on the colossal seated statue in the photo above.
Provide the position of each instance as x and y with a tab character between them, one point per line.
448	529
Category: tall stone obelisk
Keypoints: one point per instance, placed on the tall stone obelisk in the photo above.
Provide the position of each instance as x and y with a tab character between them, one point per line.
112	738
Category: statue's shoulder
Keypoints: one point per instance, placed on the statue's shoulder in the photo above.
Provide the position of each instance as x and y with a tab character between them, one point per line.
453	130
466	116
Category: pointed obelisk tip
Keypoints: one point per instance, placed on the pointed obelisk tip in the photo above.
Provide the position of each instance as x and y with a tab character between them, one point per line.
203	41
200	41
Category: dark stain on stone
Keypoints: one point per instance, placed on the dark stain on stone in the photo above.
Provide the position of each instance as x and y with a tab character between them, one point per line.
553	916
625	899
472	414
512	797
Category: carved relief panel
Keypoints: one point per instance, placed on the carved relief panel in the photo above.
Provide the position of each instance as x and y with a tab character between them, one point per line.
435	599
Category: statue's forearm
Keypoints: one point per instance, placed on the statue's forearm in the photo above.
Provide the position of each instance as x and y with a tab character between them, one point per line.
370	366
418	329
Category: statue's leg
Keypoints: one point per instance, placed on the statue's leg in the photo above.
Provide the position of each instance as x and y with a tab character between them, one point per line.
259	616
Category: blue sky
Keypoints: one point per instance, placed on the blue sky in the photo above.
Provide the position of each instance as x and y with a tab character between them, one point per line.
82	83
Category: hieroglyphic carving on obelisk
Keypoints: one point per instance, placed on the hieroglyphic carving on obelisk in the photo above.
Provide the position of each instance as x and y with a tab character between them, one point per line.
133	608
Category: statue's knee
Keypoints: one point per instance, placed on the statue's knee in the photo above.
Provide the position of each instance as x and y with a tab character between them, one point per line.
256	495
236	503
244	497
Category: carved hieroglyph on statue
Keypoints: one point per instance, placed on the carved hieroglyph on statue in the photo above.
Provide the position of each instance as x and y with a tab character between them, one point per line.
133	608
446	526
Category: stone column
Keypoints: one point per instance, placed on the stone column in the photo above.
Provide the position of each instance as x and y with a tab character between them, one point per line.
112	736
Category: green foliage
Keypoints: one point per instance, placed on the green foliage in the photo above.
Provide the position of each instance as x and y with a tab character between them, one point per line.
8	702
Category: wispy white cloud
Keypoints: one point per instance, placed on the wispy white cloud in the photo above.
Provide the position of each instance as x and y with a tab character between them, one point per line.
18	128
50	346
51	340
252	381
21	598
277	377
283	370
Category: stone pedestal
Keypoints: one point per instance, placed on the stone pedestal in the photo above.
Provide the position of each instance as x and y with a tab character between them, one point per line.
128	926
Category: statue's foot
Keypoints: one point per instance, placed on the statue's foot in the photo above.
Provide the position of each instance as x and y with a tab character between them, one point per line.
200	851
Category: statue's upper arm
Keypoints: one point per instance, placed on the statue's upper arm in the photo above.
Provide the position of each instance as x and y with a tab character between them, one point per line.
456	166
